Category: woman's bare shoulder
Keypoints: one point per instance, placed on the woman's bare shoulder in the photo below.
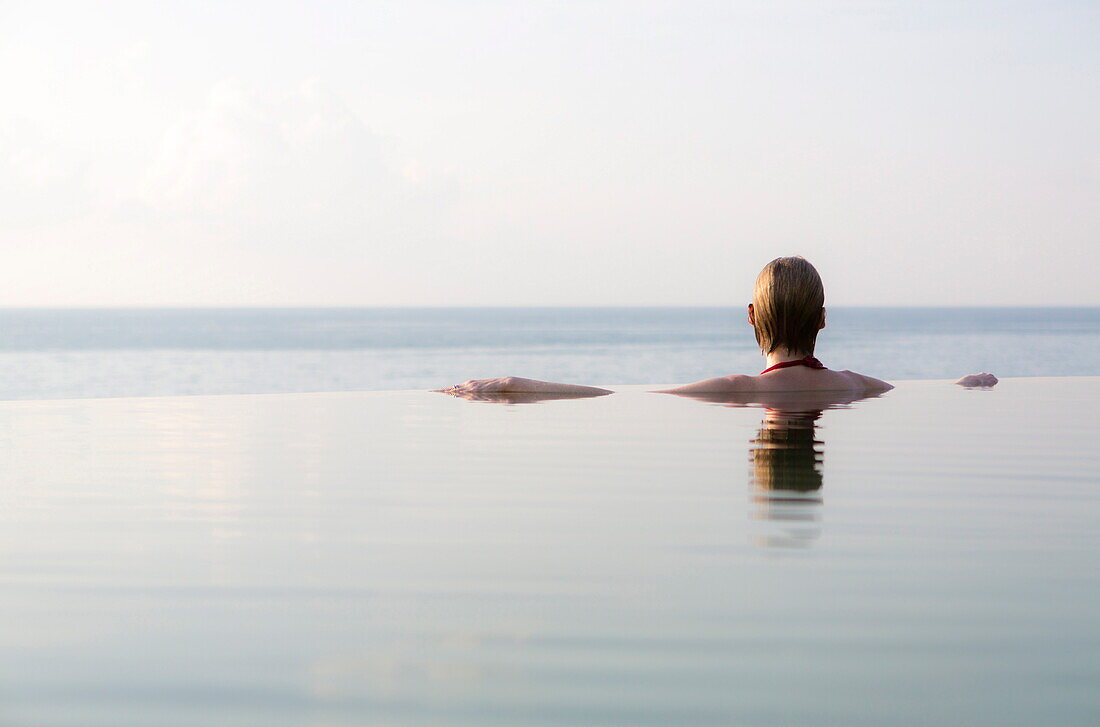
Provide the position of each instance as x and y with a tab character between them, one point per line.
867	383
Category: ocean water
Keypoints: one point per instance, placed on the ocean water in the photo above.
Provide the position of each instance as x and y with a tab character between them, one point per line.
87	353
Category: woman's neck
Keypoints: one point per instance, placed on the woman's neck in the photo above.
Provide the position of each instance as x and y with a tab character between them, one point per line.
780	355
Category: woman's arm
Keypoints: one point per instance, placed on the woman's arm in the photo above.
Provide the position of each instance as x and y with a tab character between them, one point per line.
721	385
517	385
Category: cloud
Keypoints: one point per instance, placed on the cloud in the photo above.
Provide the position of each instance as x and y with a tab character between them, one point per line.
42	178
278	196
259	166
292	165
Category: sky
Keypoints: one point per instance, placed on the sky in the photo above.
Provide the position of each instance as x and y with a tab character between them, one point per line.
547	153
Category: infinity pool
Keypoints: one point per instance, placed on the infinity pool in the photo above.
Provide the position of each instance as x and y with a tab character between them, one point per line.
404	558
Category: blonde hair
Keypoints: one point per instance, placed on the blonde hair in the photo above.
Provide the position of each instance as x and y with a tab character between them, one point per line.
787	303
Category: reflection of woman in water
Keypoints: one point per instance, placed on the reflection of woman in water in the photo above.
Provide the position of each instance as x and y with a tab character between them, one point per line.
786	313
786	460
785	456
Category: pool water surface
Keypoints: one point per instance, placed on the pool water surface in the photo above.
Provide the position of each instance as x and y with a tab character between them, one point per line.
406	558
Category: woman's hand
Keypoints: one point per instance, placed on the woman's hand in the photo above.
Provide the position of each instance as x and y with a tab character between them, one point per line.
486	386
973	380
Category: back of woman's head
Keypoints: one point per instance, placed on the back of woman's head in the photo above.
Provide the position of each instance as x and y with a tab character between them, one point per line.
787	304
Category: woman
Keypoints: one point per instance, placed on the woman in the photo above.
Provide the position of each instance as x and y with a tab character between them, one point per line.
786	313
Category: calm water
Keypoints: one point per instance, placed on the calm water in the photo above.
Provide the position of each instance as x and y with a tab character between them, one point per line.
109	353
404	558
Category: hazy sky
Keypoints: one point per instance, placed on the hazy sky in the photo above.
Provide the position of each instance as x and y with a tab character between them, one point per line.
547	153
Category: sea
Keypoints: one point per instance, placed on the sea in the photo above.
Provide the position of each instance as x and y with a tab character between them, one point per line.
142	352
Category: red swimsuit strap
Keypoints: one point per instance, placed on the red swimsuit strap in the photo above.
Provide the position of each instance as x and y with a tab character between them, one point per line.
809	361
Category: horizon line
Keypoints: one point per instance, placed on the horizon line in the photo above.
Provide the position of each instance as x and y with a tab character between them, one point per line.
606	306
